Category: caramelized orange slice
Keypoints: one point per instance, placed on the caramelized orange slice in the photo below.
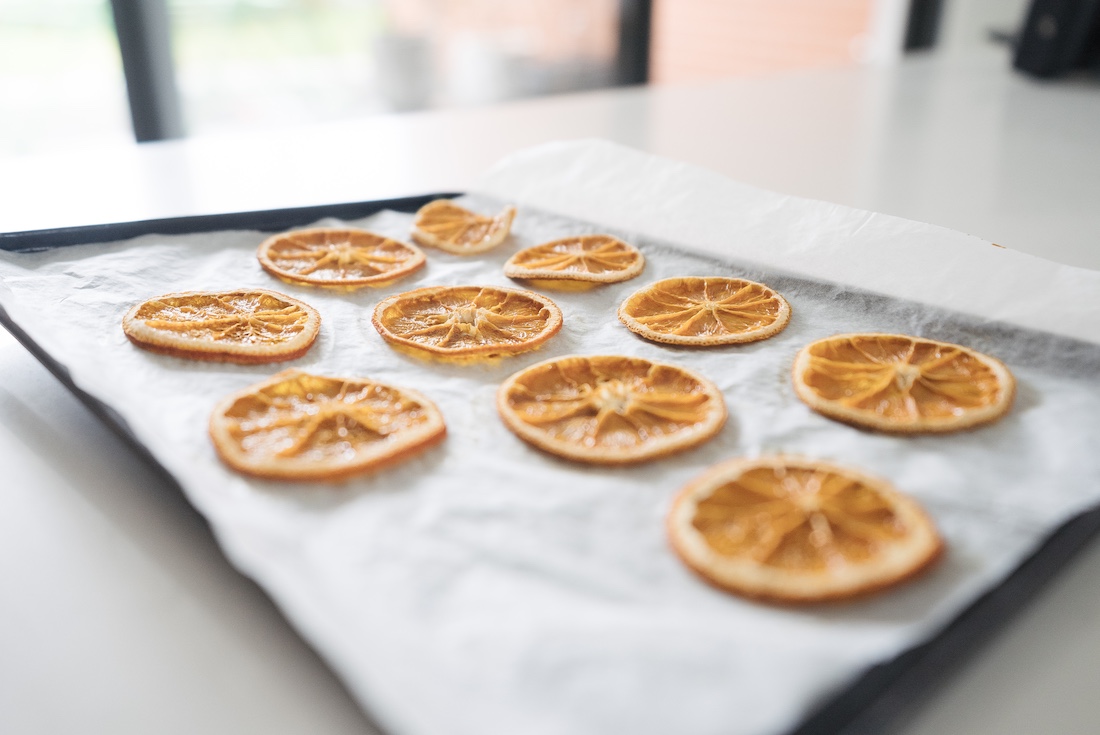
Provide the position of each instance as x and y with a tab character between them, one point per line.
705	311
467	322
297	426
339	258
445	225
585	259
797	530
892	382
246	326
610	409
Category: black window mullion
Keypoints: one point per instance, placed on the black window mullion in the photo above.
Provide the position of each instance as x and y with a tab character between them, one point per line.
144	39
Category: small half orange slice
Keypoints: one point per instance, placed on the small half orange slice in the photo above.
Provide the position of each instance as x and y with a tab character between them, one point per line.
298	426
445	225
897	383
797	530
467	322
583	259
338	258
244	326
609	409
705	311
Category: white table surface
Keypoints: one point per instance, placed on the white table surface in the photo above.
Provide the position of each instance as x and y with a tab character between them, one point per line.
118	613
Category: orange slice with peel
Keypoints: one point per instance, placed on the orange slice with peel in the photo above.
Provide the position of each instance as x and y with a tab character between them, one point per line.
582	260
705	311
467	322
244	326
797	530
609	409
898	383
298	426
445	225
338	258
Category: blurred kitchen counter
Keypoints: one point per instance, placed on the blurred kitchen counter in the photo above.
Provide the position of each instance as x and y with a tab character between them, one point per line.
119	614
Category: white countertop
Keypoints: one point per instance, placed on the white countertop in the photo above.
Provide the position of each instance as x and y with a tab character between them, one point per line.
120	613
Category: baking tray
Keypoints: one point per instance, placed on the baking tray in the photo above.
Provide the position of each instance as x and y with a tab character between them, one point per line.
875	703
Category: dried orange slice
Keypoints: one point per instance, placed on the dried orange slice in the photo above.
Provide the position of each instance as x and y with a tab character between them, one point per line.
610	409
467	322
445	225
587	259
892	382
246	326
297	426
339	258
705	311
798	530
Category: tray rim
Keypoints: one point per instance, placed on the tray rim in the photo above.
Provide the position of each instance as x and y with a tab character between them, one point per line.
874	702
264	220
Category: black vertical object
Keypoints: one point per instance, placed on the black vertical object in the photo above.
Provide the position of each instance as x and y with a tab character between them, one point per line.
1056	36
145	43
924	24
632	61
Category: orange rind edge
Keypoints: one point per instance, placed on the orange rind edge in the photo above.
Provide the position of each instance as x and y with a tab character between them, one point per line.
930	546
861	419
418	261
757	335
174	346
716	419
419	440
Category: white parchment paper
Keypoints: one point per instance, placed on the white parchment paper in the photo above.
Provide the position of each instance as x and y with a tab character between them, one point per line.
485	587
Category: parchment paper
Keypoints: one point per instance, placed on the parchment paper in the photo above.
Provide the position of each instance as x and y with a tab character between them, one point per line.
485	587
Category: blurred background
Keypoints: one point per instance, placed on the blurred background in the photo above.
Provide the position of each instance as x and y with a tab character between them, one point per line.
217	66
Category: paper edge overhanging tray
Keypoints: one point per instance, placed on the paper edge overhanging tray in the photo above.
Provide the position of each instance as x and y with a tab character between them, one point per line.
874	702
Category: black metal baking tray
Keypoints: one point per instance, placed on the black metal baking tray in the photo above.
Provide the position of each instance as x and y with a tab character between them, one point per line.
877	702
271	220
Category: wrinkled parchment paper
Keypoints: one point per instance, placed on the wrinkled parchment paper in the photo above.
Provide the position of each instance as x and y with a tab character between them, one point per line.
487	588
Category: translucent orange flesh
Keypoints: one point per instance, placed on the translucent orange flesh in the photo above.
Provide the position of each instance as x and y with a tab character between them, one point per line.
317	418
461	317
560	284
453	224
900	377
242	318
798	519
339	256
706	307
590	254
610	402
